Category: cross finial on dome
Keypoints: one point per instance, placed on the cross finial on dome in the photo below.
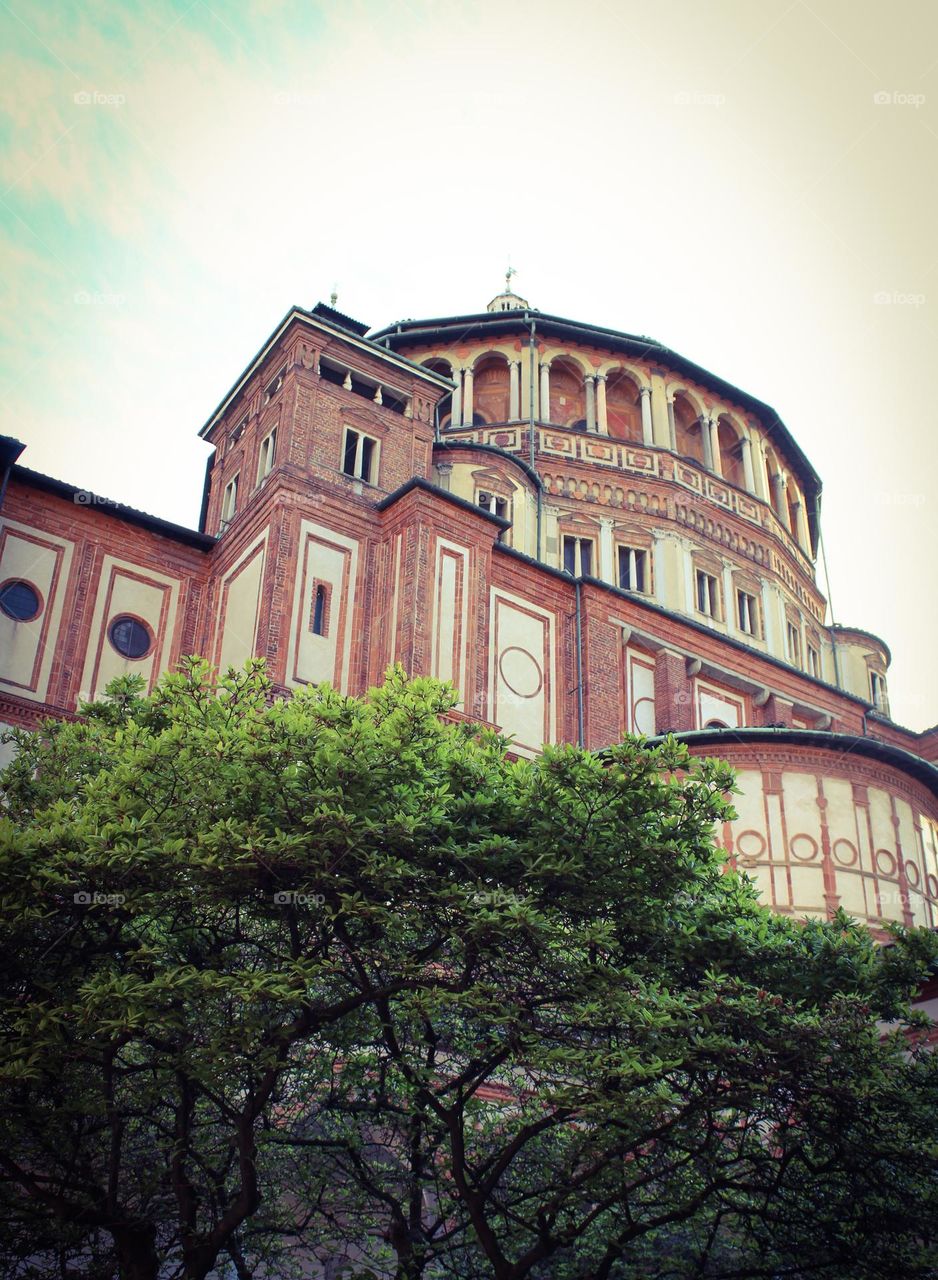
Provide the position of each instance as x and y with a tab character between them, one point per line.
507	300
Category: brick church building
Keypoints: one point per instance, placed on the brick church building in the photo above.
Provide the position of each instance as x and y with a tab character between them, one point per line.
586	532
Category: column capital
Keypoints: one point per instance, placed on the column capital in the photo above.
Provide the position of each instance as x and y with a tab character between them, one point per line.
600	377
645	391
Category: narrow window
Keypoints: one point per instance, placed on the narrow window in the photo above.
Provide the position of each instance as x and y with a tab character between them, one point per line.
351	450
492	502
368	453
708	598
814	661
318	624
577	556
794	644
632	569
268	452
229	504
878	691
746	612
358	456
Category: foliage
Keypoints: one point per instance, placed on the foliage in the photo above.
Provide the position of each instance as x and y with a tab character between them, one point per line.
328	977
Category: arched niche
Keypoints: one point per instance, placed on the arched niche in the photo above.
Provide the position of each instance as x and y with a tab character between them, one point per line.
490	396
623	405
731	452
687	432
773	473
567	393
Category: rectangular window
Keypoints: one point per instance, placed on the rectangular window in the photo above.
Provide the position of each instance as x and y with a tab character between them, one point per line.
268	452
878	692
237	432
577	556
708	594
633	569
274	385
492	502
358	456
814	661
746	613
229	502
793	635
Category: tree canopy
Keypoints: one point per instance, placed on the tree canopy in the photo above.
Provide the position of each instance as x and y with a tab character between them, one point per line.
339	983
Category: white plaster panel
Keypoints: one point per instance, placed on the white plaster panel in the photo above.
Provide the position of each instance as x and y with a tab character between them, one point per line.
641	693
27	648
522	676
450	615
714	704
807	884
239	606
151	597
332	558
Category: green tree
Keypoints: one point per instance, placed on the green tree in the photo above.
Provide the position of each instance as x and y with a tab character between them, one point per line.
297	979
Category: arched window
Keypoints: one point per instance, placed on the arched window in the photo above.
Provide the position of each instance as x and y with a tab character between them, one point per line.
567	395
623	406
687	429
490	394
319	611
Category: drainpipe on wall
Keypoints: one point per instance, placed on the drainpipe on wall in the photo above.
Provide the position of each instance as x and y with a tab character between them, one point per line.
830	600
578	586
532	370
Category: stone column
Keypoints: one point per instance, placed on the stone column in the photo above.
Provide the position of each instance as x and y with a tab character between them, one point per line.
704	424
544	410
762	474
514	390
748	477
602	417
672	427
779	505
716	460
455	418
590	382
607	552
648	436
467	398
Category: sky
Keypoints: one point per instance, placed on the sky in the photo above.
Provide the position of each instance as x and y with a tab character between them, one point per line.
751	183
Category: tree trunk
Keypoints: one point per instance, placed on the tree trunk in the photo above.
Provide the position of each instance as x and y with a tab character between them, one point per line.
136	1252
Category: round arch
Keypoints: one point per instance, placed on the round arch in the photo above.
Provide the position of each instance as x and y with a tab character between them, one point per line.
687	434
490	388
567	392
439	364
730	437
623	404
